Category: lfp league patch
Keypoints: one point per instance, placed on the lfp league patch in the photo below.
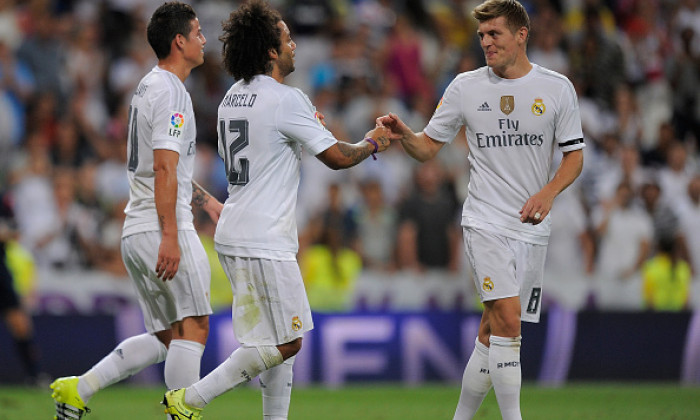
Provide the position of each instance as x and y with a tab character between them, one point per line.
177	123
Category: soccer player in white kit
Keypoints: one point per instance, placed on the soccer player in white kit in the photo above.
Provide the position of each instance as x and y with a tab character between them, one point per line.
515	113
263	127
160	248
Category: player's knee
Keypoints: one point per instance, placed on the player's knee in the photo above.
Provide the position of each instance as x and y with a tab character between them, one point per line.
290	349
504	321
201	324
195	328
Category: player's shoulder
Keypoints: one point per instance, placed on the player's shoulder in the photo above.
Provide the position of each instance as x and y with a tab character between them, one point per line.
550	76
472	75
161	80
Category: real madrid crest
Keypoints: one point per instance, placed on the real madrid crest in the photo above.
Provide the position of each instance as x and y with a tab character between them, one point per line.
296	323
507	104
487	284
538	107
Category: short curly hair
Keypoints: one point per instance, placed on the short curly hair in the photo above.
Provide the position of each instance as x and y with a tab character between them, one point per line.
249	34
169	20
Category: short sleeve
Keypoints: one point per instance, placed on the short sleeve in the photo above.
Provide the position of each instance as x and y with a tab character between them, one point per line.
568	132
169	119
447	119
298	120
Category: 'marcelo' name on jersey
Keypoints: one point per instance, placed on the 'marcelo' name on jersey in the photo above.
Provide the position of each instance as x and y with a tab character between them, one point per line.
506	139
236	100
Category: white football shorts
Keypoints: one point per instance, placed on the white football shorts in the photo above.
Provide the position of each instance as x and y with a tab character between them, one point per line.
270	306
166	302
505	267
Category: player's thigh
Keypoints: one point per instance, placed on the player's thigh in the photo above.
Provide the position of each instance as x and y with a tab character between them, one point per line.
493	264
530	259
191	284
270	306
166	302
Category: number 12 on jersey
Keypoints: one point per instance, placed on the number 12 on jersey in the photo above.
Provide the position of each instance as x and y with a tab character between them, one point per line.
234	138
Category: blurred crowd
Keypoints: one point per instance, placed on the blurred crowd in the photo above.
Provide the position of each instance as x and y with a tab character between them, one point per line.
625	236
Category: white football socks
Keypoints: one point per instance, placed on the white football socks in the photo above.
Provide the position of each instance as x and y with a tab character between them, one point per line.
129	357
276	384
183	363
476	382
504	367
243	365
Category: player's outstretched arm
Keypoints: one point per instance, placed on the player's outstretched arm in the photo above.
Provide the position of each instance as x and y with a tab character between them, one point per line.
344	155
419	146
202	199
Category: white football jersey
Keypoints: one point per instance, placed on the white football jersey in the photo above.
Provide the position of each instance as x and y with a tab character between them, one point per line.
262	127
512	127
160	117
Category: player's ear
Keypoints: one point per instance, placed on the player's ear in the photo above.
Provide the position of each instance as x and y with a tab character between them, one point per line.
178	42
273	54
523	34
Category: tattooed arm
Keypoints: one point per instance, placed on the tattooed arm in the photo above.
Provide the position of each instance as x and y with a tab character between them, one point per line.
202	199
344	155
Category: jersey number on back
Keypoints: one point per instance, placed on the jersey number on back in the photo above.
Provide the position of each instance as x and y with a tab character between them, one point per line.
233	140
133	139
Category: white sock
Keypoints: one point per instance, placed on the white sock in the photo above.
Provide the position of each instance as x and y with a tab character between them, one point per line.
276	385
183	363
243	365
504	366
476	382
129	357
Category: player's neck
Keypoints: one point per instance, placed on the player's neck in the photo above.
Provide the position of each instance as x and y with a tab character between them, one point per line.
276	74
178	68
515	71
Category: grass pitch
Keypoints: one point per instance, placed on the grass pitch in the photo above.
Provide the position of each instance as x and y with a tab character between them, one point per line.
599	401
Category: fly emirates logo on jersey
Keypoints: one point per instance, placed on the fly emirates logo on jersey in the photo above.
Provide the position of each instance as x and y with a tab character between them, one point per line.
508	129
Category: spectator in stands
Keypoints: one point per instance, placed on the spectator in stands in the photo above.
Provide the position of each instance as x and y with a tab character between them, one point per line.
16	89
45	55
428	235
689	216
675	176
336	214
627	118
624	167
69	242
403	63
86	67
547	42
684	78
624	232
666	279
664	217
597	60
330	269
376	228
655	155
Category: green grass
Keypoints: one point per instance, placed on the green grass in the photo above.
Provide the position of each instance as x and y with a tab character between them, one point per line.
599	401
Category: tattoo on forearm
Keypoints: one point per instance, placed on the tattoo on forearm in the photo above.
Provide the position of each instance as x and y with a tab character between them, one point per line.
354	153
383	141
199	196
